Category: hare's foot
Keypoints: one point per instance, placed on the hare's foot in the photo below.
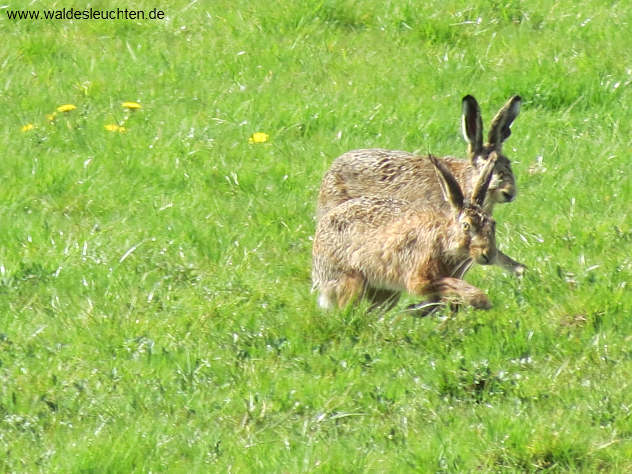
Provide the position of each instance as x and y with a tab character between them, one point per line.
457	291
509	264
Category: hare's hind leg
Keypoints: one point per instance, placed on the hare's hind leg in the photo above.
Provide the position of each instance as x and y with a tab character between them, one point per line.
327	297
349	287
336	287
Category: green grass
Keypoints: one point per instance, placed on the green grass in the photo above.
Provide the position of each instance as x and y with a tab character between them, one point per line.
155	305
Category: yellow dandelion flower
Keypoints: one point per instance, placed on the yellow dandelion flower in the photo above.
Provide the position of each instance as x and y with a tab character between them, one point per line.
259	137
66	108
51	117
131	105
27	127
112	127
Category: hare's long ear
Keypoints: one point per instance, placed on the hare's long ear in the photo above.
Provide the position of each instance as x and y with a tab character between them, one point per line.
482	183
472	125
451	189
500	128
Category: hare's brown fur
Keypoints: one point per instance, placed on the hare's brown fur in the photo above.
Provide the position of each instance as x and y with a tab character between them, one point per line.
378	247
403	175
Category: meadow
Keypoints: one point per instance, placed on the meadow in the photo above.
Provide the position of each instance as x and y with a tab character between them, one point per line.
155	303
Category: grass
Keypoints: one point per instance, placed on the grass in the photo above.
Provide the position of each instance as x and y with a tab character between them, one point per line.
155	305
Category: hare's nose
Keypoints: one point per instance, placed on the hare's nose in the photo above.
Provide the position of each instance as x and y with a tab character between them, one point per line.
508	196
487	256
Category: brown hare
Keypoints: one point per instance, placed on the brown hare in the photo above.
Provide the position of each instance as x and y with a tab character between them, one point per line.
378	247
403	175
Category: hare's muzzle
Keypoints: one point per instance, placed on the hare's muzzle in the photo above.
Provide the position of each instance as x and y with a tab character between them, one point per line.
483	259
484	255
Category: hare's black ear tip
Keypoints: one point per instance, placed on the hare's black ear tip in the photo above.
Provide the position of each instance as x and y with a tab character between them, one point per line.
468	98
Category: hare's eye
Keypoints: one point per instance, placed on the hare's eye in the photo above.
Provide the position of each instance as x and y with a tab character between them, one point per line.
466	226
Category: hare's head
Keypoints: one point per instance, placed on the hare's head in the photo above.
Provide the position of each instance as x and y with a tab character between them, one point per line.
474	230
502	187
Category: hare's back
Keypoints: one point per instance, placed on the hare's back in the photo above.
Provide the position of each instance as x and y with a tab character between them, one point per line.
366	211
376	165
374	217
385	173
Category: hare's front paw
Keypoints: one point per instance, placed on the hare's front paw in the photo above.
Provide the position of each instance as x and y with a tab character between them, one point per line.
480	301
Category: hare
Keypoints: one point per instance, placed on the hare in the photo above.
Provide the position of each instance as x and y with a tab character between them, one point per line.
377	247
403	175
